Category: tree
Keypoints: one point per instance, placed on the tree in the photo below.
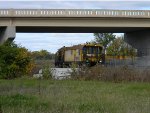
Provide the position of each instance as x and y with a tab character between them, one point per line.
119	47
15	61
104	39
42	55
116	47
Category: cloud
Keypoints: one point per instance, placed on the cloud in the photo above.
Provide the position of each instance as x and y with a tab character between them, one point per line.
51	41
76	4
54	41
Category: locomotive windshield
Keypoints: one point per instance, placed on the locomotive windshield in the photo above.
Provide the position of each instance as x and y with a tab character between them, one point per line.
92	50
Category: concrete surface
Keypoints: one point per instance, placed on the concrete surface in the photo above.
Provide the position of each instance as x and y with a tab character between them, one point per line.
62	73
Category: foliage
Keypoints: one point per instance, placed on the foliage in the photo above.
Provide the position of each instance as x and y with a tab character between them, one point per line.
104	38
74	68
42	55
119	47
46	72
15	61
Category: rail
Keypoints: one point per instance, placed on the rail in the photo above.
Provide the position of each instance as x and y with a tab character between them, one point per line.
74	13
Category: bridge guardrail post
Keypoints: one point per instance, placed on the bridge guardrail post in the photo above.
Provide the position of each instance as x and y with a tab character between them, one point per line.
38	13
10	12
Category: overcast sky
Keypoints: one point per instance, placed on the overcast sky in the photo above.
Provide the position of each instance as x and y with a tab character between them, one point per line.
53	41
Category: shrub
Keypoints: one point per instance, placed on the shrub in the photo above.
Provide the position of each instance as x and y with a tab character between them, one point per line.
15	61
46	72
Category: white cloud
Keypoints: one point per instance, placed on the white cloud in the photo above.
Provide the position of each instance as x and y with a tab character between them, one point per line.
122	4
53	41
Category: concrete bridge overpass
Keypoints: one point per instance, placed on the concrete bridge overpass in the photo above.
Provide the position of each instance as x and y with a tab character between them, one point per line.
134	23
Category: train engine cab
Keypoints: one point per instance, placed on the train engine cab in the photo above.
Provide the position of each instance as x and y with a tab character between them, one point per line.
86	54
92	54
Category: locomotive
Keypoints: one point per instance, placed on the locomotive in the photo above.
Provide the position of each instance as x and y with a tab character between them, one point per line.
82	54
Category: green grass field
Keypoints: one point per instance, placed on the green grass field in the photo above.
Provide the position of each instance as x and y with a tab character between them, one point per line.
68	96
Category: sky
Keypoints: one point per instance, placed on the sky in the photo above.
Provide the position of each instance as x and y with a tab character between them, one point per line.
53	41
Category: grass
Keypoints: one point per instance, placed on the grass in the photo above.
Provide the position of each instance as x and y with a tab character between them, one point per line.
70	96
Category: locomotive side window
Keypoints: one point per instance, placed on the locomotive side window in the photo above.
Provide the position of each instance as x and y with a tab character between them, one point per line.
92	50
84	50
89	50
96	50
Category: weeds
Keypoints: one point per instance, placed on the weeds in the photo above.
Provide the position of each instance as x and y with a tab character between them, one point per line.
115	74
46	72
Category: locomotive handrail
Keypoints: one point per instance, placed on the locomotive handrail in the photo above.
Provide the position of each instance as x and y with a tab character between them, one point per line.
74	13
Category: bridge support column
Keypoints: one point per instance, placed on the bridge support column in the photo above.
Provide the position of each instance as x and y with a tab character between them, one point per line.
7	33
141	41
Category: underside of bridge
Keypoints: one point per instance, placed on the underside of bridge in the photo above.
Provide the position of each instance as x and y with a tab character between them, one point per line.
138	37
40	29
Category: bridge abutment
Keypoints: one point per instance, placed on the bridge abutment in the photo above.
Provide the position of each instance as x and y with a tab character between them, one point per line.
7	33
141	41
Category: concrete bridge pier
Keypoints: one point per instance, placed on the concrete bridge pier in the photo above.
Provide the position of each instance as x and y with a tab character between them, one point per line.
141	41
7	33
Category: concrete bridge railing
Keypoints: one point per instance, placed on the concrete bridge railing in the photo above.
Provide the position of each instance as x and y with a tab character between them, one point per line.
74	13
